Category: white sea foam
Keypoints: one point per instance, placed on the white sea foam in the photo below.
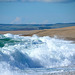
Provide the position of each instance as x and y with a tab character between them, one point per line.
35	52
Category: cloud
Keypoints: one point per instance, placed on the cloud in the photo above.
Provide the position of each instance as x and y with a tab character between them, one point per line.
39	0
17	20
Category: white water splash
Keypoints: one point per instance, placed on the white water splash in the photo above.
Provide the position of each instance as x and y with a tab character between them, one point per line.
36	52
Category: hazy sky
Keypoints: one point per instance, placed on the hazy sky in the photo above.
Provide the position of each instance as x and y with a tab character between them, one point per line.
37	11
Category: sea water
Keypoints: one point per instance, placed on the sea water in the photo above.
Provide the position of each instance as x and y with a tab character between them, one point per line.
34	55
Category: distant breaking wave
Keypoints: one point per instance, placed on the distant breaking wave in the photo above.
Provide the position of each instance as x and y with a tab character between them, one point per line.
20	53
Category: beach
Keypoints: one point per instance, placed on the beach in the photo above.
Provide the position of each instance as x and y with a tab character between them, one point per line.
32	50
67	33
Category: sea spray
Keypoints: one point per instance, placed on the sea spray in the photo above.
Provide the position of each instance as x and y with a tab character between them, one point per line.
25	52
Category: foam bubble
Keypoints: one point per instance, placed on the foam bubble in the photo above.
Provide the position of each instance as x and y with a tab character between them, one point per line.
36	52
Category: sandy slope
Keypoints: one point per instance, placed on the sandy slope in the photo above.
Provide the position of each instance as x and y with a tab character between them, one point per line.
67	32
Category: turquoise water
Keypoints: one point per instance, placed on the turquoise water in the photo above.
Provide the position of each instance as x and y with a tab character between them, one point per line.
35	55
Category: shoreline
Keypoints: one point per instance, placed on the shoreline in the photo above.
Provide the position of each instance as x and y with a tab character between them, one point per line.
66	33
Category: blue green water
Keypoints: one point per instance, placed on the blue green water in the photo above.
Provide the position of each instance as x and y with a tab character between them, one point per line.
16	27
33	55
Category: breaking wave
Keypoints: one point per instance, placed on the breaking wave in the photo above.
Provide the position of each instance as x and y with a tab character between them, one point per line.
26	52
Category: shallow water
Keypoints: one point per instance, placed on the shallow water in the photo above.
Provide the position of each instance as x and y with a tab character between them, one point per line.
21	55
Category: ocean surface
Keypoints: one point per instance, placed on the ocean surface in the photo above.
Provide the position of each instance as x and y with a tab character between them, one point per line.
33	55
17	27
